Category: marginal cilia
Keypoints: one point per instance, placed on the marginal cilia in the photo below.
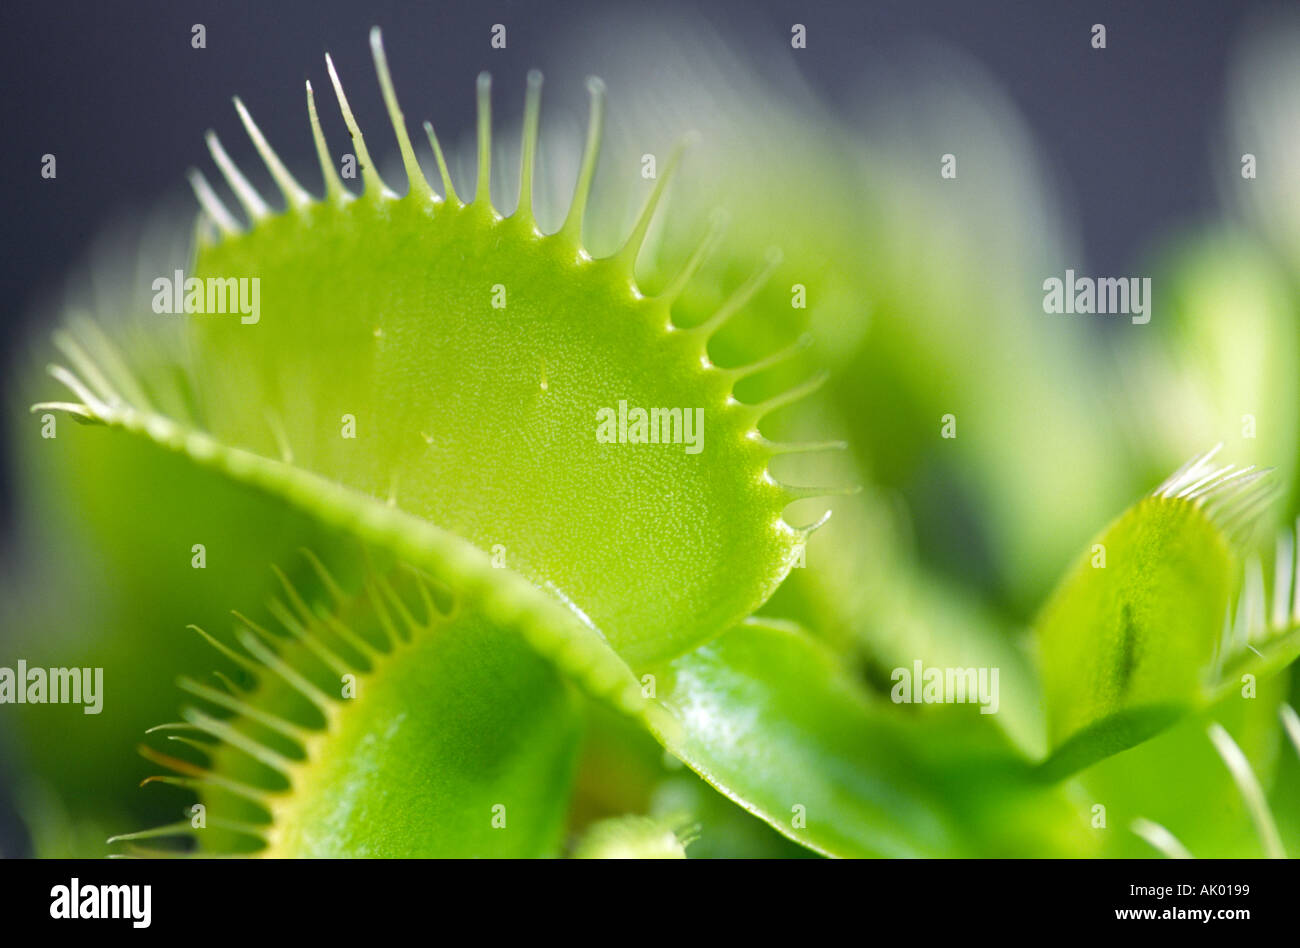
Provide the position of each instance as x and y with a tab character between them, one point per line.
1232	497
314	646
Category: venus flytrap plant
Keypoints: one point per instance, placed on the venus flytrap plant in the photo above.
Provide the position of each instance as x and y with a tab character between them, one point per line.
383	722
1134	637
426	375
464	454
1260	637
425	380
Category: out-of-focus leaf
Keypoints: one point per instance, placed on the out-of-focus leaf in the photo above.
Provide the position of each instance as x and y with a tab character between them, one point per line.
1219	362
772	719
1128	642
862	590
769	719
405	729
1178	781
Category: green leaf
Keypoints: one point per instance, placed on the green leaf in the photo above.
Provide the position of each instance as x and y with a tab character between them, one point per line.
771	720
1178	777
72	604
378	726
427	356
1127	643
774	721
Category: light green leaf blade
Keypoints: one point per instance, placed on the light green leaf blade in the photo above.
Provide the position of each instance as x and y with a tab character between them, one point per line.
770	719
386	721
1127	644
